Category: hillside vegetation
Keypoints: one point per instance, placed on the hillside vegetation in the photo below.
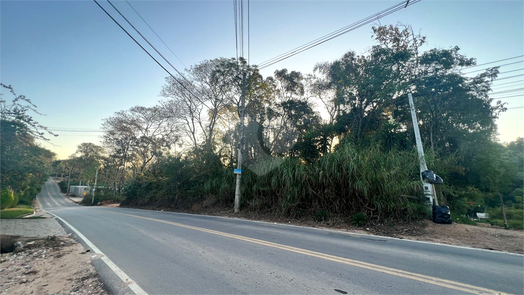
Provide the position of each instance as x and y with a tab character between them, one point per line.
338	142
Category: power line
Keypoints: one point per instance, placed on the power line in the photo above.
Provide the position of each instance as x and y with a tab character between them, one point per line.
236	26
511	63
507	91
498	79
507	83
80	131
172	76
506	86
154	48
505	72
496	61
336	33
514	108
512	82
511	96
156	34
242	27
248	35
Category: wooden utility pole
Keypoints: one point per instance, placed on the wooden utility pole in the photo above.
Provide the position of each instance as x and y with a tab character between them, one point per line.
94	187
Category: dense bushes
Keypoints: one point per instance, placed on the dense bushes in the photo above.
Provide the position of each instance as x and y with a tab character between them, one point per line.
63	186
174	182
23	163
102	195
7	199
379	184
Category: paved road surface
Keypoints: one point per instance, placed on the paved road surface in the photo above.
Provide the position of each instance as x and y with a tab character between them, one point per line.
173	253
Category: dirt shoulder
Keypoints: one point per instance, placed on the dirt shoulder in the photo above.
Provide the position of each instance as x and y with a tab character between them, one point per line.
490	238
53	265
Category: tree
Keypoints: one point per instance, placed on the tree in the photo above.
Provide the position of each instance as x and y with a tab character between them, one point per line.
19	110
137	136
86	160
205	95
23	164
363	88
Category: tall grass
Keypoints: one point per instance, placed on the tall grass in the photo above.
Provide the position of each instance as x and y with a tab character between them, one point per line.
377	183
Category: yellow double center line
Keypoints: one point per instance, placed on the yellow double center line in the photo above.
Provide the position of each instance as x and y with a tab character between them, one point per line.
392	271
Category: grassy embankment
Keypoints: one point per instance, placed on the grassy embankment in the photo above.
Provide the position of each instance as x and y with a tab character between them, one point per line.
16	212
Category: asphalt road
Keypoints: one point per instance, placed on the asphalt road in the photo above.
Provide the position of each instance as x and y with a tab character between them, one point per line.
174	253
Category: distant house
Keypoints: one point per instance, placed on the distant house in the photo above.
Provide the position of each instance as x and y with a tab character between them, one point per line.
79	191
482	215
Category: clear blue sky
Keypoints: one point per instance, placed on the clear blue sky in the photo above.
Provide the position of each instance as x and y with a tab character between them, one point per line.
78	67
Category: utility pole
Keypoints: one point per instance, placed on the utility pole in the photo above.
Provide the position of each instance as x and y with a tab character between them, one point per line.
69	181
94	187
238	171
429	188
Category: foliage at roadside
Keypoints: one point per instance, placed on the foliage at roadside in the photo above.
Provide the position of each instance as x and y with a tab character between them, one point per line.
335	142
23	163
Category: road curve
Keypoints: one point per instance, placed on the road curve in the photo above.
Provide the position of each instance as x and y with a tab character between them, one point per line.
173	253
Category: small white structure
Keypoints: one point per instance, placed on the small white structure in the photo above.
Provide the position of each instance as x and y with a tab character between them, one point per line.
482	215
79	191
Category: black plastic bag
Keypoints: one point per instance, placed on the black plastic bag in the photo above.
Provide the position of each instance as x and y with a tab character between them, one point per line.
441	214
431	177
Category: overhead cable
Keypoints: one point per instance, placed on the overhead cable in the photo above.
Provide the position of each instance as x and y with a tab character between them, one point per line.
236	26
512	82
140	45
79	131
496	61
497	87
510	77
512	71
507	91
511	96
248	35
511	63
156	34
154	48
336	33
242	28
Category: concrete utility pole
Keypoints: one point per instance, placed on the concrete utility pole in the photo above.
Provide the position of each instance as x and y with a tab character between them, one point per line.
68	181
238	171
94	187
429	188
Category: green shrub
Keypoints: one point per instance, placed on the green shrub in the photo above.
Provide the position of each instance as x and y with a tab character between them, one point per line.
516	224
321	215
7	199
359	219
462	219
16	199
63	186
